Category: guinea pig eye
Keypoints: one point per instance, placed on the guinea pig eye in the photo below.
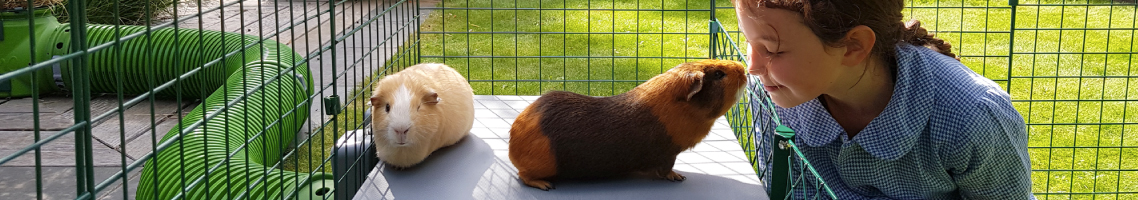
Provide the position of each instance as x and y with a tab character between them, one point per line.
719	74
388	108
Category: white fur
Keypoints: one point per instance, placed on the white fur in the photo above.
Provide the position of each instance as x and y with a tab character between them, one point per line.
739	94
400	117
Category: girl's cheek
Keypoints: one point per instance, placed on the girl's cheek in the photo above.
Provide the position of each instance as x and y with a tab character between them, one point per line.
776	69
770	67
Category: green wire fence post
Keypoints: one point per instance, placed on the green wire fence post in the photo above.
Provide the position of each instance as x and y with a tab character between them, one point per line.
85	183
332	105
780	182
712	32
1011	42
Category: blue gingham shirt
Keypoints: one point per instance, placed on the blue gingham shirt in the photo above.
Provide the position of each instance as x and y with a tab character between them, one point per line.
947	133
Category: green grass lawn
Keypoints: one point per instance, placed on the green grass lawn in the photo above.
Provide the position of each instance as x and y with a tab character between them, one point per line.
1083	132
597	52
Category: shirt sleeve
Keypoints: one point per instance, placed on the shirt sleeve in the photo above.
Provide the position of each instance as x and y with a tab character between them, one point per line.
994	163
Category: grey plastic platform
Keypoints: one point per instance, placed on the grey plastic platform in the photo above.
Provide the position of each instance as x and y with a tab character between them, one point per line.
478	168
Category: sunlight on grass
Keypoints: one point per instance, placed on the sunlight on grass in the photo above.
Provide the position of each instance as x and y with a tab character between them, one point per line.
1072	75
596	52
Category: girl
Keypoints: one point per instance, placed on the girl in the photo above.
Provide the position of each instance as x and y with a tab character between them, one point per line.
882	109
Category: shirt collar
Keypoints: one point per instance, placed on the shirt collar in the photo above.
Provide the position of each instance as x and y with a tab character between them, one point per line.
893	133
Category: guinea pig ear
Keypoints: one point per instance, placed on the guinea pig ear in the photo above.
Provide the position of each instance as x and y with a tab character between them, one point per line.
431	98
374	100
696	83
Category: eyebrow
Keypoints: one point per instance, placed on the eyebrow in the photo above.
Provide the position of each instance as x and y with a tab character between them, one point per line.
770	37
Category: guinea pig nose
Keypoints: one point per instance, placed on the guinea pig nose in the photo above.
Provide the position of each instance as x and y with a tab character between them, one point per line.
403	131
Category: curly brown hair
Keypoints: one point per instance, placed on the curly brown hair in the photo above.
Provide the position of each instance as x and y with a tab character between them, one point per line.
831	20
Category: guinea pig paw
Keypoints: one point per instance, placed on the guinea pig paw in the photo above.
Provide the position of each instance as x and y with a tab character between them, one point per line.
673	176
539	184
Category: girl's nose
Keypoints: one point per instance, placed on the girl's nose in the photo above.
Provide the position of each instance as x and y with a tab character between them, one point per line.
757	69
758	65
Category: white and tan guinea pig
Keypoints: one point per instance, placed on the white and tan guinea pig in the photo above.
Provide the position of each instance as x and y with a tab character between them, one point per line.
419	110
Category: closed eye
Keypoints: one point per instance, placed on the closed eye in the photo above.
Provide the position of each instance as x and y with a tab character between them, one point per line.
772	54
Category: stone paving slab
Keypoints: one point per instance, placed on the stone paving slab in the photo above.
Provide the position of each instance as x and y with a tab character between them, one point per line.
136	120
144	143
57	158
116	192
59	182
58	153
46	105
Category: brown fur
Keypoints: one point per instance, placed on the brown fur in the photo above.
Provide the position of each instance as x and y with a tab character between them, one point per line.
539	160
564	135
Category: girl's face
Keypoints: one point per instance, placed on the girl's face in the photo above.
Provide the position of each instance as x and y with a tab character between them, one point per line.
792	63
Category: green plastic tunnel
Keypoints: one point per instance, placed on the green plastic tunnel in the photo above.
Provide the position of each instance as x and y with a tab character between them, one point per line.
246	138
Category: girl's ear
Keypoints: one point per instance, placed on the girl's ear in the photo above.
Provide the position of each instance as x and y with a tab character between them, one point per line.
859	43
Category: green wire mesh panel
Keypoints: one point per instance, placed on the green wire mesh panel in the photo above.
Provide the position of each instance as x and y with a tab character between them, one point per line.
1069	66
77	124
160	99
769	145
592	47
1073	78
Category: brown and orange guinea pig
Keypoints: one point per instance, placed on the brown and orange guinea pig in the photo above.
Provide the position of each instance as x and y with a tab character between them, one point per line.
564	135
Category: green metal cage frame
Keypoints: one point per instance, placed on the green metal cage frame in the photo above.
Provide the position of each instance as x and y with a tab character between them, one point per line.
1068	65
